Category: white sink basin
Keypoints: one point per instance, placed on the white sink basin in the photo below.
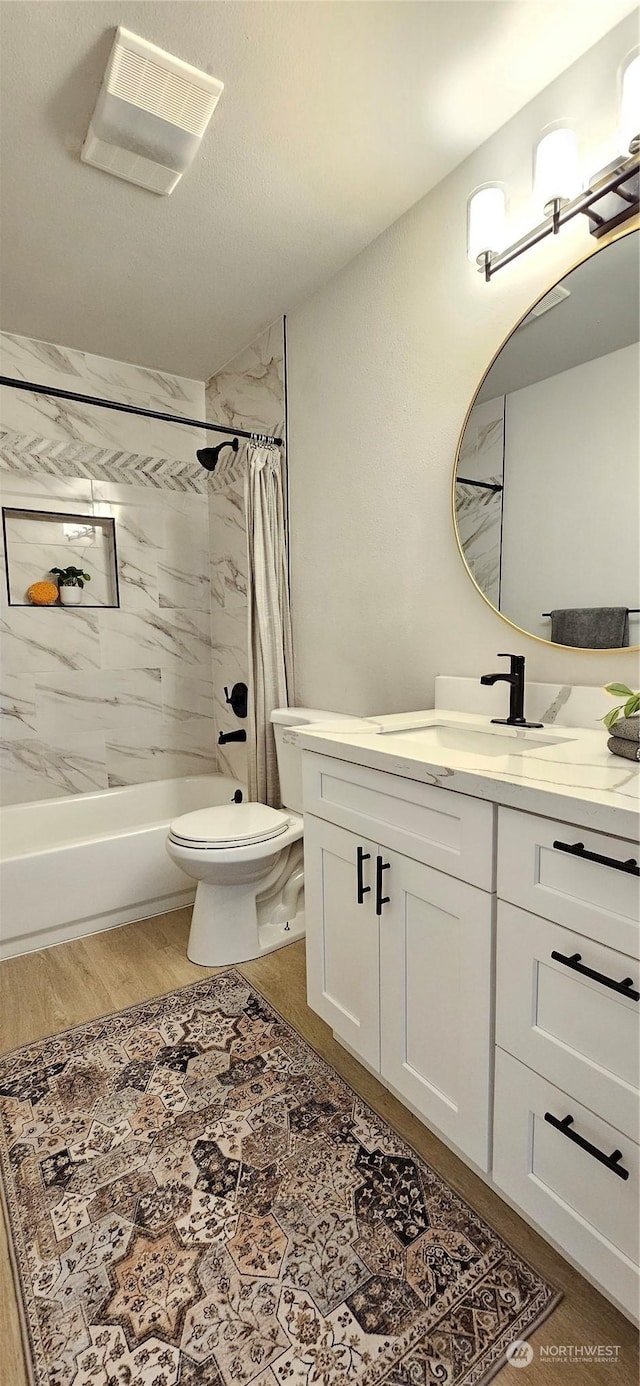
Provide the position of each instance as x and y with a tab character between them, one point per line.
503	741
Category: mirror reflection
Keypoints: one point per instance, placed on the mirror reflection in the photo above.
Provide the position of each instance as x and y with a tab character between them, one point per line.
547	484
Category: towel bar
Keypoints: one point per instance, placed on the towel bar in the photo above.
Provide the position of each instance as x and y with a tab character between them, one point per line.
631	611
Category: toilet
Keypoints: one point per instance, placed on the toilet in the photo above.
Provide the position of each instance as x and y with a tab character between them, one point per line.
248	861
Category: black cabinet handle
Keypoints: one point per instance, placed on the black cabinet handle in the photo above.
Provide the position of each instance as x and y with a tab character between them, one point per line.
611	1161
380	898
578	849
624	988
362	888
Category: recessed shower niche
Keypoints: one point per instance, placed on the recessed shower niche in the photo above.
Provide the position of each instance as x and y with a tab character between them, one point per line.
36	541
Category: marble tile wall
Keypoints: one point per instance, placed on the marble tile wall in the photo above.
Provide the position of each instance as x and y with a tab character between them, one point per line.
92	699
34	546
248	393
64	421
479	512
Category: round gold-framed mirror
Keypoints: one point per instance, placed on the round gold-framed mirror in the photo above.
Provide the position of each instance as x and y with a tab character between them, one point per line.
546	482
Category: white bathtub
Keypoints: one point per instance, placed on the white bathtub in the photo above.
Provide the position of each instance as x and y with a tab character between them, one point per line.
79	864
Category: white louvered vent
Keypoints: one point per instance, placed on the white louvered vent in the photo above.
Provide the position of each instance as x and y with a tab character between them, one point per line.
151	114
550	300
151	81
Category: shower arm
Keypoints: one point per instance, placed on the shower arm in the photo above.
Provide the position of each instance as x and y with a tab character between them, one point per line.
32	388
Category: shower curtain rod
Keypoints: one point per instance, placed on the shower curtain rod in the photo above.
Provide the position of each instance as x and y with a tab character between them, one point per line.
135	409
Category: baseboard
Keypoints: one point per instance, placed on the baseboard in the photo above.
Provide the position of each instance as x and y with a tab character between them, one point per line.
38	939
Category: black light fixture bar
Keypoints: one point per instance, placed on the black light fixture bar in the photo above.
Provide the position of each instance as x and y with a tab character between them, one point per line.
32	388
613	180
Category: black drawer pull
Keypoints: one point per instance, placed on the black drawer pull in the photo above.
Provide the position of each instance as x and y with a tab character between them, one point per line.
611	1161
624	988
380	898
362	888
578	849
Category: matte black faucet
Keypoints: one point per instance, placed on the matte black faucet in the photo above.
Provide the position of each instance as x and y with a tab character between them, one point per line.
515	679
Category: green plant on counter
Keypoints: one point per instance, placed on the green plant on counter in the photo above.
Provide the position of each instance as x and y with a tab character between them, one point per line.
71	577
620	690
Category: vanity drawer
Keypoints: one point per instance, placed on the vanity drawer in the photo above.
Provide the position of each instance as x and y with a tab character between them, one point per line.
573	1029
589	896
446	830
587	1209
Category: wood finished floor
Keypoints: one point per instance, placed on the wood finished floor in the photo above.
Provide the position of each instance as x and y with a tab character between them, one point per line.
45	992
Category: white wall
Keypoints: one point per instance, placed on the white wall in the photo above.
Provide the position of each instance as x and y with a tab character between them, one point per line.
383	362
572	492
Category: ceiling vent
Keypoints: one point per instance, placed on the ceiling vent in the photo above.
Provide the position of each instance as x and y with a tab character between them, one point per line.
550	300
150	116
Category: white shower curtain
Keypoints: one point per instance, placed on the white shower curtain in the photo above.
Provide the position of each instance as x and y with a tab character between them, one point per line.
270	645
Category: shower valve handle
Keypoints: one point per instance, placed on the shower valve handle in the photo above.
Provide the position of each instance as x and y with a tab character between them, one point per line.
238	698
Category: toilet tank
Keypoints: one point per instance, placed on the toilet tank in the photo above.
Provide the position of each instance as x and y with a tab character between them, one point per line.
285	720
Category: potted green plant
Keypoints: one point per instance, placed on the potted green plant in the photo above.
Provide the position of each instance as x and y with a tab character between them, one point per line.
70	584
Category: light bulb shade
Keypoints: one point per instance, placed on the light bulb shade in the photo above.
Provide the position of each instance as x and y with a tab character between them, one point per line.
486	223
630	104
557	168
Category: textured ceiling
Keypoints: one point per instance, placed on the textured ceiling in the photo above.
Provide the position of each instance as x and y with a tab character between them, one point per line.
336	117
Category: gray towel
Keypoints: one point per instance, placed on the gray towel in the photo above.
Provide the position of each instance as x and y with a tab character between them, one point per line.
629	750
627	727
591	627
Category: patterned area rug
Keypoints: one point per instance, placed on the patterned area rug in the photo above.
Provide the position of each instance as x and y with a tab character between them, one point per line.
194	1196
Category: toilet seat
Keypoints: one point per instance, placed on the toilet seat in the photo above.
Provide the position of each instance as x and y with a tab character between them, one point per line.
229	825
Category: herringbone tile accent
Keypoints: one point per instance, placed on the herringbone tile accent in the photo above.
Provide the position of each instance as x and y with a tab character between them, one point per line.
31	455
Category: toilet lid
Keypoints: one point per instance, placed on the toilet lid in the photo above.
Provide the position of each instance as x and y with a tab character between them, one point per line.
229	825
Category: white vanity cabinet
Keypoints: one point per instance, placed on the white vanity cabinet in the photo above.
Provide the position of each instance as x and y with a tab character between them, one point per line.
343	947
435	1000
529	1068
566	1108
558	1181
399	953
570	875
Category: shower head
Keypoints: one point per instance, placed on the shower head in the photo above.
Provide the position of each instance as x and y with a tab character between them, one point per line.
208	457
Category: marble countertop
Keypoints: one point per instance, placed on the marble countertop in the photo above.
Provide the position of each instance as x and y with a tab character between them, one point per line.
574	778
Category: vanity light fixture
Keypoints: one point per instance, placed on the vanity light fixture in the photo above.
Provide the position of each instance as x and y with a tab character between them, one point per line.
630	105
556	170
486	228
611	198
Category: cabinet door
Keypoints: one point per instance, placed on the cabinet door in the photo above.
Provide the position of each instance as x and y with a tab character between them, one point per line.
435	1005
451	832
343	964
592	897
558	1011
558	1178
